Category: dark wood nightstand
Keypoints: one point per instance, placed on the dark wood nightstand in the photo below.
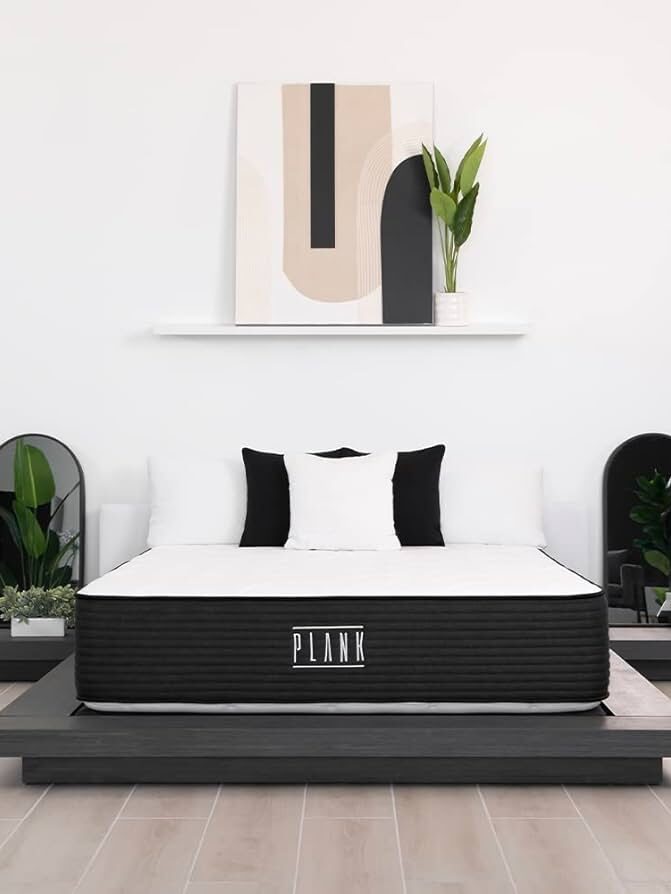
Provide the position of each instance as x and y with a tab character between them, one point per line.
31	657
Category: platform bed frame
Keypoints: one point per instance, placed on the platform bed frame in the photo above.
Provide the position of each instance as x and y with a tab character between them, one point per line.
59	740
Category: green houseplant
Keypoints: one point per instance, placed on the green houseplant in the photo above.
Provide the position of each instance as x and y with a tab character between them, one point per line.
38	612
653	513
43	568
453	202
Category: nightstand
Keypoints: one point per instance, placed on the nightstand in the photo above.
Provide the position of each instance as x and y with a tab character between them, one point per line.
29	658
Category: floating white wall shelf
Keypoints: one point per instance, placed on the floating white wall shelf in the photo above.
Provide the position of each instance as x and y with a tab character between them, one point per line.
502	327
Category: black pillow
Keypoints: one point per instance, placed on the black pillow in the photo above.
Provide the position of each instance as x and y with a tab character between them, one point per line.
267	521
416	496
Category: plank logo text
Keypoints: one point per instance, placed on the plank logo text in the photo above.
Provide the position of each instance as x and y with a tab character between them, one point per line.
330	645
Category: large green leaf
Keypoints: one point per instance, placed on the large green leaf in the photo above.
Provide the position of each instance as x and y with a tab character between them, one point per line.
647	498
66	551
644	483
429	167
32	535
645	513
457	177
470	168
52	546
10	521
59	577
33	481
463	216
443	206
443	171
658	560
7	577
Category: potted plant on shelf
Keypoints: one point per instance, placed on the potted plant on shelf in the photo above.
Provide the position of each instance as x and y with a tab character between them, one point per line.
38	611
453	203
653	513
37	598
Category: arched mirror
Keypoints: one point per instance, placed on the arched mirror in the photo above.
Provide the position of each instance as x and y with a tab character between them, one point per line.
637	529
42	514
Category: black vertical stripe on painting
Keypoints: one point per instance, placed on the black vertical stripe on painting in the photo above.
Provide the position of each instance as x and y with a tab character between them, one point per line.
406	246
322	165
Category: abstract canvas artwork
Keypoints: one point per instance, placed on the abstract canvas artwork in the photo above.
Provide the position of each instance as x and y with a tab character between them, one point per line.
333	219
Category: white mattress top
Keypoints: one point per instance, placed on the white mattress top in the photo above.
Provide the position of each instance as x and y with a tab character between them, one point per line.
454	570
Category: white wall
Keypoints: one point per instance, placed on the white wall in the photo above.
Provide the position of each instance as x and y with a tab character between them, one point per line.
117	209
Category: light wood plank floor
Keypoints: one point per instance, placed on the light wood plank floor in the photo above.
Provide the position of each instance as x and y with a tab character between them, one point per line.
331	839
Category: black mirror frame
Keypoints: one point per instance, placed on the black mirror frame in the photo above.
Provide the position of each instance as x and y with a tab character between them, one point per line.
604	489
82	494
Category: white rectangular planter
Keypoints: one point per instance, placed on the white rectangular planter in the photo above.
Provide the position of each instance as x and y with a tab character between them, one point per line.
38	627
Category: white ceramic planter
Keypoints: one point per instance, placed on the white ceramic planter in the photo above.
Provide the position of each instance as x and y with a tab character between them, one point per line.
451	309
38	627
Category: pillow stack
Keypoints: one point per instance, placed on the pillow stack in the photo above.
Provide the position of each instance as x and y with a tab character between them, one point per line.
415	493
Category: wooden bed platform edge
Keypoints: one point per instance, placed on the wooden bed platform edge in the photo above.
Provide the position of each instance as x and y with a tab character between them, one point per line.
59	741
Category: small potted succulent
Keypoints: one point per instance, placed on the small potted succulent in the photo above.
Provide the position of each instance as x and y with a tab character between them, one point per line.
453	203
38	611
37	598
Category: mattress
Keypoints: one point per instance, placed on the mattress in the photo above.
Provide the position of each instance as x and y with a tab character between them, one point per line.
457	628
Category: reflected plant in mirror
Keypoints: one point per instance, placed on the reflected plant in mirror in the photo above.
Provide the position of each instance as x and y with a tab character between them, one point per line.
653	513
635	498
42	555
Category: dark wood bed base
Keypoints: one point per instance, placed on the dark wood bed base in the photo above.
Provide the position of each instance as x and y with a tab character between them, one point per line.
61	741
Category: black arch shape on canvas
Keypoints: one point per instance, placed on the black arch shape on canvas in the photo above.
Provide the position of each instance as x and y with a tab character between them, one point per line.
406	245
657	440
82	494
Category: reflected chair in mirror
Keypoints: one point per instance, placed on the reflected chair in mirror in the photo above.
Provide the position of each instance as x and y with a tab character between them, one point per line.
625	586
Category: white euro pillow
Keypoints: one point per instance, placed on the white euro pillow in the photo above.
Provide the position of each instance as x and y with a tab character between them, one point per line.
195	501
341	504
491	501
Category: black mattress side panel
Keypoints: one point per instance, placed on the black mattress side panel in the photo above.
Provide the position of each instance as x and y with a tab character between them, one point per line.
420	649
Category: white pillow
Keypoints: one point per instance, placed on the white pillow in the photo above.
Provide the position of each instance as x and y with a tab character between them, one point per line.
341	503
497	501
196	501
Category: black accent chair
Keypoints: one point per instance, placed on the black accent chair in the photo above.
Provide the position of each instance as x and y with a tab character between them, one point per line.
626	584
